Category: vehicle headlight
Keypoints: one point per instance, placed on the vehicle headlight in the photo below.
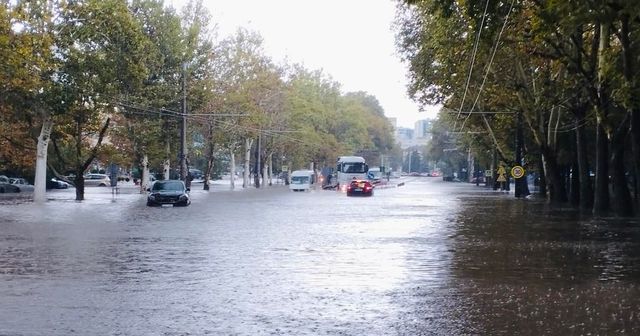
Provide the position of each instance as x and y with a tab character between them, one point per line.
152	197
184	196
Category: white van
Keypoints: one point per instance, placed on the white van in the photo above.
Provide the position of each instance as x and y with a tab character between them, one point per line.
301	180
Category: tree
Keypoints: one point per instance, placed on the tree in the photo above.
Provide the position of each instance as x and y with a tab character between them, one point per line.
99	48
556	60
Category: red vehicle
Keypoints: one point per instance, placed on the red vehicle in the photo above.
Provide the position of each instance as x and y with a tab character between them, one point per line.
360	187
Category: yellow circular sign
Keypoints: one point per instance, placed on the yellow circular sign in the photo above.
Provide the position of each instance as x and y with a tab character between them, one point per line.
517	172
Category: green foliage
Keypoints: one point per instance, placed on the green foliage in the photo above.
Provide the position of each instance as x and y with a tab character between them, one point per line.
560	64
113	71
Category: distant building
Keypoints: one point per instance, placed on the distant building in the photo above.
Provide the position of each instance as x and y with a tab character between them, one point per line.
420	135
404	136
423	129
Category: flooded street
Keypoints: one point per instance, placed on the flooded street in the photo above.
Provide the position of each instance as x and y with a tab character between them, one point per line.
427	258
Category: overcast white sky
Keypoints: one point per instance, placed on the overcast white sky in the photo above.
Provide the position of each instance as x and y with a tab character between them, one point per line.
350	40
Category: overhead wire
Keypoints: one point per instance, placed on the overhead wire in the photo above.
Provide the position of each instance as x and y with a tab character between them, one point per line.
473	59
146	111
488	67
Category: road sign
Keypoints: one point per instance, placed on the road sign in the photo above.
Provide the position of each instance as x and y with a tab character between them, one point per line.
501	178
517	172
488	173
285	168
501	170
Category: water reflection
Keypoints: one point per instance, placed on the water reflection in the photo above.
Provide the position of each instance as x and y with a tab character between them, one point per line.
524	268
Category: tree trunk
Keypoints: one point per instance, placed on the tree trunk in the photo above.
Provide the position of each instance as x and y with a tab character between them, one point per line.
629	68
621	202
232	175
544	191
208	170
210	158
555	183
586	187
144	177
270	169
258	167
265	174
40	183
574	182
601	197
166	170
635	150
521	185
247	162
601	200
81	167
79	182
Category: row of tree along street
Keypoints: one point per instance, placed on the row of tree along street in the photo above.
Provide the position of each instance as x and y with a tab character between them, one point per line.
563	73
116	81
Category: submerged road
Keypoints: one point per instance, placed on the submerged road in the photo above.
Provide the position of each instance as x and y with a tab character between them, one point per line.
427	258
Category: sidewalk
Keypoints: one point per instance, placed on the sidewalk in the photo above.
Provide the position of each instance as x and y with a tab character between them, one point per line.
223	184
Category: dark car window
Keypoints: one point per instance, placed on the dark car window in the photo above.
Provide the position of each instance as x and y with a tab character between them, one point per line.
299	179
354	167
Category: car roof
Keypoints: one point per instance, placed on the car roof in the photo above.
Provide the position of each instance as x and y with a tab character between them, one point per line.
167	181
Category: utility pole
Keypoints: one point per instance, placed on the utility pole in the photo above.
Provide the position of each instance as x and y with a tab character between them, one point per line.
183	129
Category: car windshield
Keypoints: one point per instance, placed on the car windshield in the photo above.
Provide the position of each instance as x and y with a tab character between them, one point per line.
353	167
299	179
170	185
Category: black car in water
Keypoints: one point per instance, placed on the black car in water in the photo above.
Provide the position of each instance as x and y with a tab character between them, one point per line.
172	192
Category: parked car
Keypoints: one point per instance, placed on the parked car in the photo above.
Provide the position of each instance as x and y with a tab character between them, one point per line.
6	186
196	173
360	187
172	192
21	184
54	183
97	180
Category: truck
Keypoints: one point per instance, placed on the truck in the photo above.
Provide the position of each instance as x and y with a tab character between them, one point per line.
349	168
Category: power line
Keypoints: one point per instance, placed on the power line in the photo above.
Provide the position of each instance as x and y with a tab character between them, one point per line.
473	60
486	74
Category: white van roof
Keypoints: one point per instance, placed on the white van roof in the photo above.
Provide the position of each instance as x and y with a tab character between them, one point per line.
301	172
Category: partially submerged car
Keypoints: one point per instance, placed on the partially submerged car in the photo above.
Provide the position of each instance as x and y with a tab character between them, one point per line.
301	180
360	187
172	192
97	180
22	184
55	183
6	186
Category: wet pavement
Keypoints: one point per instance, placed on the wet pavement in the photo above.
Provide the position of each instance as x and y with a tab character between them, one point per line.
427	258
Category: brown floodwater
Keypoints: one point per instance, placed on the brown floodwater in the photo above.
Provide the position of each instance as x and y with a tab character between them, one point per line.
426	258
